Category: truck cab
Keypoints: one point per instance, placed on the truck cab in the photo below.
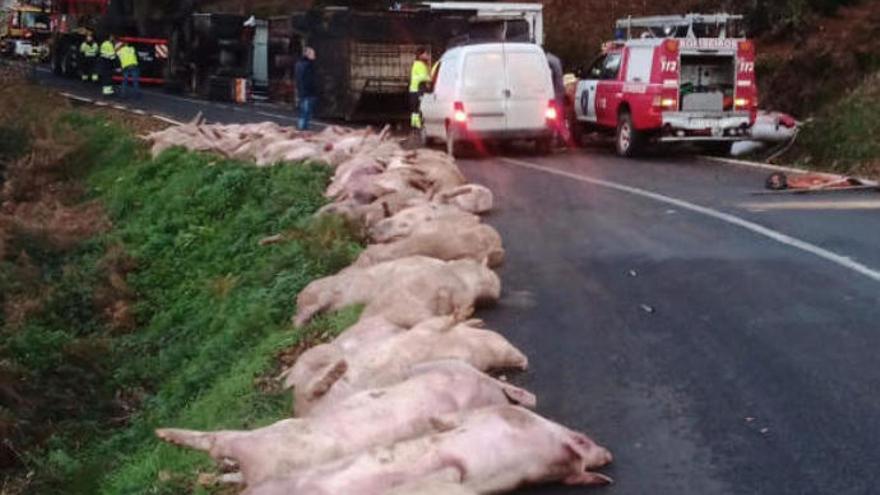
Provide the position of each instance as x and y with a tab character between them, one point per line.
677	79
25	32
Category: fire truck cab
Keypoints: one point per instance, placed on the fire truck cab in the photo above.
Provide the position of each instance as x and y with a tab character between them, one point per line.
670	79
25	32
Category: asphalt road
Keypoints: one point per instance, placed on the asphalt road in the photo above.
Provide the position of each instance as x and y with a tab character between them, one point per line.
717	341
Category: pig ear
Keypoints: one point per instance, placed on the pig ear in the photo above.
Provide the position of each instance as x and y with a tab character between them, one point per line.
588	478
519	396
475	323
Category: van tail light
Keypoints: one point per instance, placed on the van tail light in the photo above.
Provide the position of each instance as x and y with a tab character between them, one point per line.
552	113
741	103
459	115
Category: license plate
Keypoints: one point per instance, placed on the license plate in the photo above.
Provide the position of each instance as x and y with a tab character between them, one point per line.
704	123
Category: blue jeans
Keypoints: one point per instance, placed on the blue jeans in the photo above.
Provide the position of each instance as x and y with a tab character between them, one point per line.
132	74
306	109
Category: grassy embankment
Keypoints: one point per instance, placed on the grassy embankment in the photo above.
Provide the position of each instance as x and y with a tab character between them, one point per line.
168	314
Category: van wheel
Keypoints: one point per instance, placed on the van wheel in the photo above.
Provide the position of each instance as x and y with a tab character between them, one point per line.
453	142
576	130
629	140
543	146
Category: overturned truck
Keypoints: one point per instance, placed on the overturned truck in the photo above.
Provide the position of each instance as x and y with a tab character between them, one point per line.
365	56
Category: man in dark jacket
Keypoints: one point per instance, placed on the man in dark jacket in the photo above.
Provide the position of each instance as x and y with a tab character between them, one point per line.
306	88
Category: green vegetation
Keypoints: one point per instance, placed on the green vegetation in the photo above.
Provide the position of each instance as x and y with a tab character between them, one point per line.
843	137
174	316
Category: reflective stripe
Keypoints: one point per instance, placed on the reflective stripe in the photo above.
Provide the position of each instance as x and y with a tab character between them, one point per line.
420	74
108	51
89	50
128	57
161	51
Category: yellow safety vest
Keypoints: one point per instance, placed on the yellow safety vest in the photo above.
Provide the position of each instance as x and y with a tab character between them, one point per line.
420	74
89	50
128	57
108	51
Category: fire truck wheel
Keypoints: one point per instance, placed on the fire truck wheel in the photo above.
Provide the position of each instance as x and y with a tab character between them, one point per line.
629	140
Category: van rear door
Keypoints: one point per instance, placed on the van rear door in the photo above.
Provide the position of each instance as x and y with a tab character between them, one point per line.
530	87
483	90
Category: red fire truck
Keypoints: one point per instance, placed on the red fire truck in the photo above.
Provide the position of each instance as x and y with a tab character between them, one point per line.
670	79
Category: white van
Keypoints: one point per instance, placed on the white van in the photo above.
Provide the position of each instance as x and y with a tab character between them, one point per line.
491	91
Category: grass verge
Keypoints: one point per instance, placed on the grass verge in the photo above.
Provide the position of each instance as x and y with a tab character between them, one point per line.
843	138
204	311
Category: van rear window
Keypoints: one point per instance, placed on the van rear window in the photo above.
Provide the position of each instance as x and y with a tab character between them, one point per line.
484	75
528	73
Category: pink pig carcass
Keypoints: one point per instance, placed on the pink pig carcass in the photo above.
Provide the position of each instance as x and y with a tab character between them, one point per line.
492	450
410	220
443	242
368	419
404	291
330	375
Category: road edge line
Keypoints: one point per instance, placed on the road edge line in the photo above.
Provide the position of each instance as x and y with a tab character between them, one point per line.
753	227
121	108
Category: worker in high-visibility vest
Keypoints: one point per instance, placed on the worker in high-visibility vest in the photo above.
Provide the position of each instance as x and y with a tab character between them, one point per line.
131	72
88	59
107	64
420	79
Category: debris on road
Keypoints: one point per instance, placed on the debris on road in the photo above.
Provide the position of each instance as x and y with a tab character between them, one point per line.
648	309
815	182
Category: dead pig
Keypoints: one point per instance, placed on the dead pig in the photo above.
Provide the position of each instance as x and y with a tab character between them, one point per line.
405	291
442	241
330	375
417	217
373	418
492	450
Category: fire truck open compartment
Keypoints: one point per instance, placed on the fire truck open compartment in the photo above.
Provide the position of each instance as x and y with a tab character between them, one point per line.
707	82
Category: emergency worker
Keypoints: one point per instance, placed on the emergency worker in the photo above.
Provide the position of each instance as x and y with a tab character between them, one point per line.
88	60
131	73
420	78
107	64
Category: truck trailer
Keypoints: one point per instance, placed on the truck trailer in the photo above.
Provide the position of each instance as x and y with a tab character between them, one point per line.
366	55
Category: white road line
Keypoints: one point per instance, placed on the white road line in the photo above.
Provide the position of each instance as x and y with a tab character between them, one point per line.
779	237
72	96
814	205
274	115
166	119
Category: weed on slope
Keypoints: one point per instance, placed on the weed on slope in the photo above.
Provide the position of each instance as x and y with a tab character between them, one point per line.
188	308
